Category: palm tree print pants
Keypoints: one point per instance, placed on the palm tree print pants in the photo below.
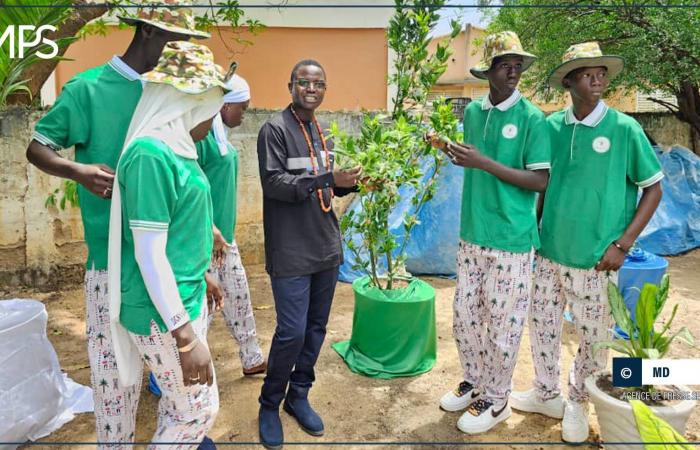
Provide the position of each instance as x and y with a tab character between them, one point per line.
238	311
185	413
490	307
586	293
115	405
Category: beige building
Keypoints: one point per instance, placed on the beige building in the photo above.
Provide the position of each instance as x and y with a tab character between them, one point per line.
458	82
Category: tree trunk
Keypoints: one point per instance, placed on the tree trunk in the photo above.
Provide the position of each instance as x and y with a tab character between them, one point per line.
689	111
38	73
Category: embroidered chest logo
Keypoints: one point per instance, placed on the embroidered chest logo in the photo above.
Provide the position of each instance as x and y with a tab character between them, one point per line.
509	131
601	144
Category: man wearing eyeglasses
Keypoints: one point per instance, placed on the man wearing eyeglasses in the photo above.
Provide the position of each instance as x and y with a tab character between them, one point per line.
302	247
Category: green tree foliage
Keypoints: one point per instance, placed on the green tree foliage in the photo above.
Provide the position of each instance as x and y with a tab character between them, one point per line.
660	44
391	148
13	78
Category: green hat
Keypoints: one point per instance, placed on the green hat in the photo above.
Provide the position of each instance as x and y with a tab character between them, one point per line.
505	43
167	15
188	67
586	54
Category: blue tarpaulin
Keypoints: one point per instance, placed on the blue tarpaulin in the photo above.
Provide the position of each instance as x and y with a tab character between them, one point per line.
432	248
675	227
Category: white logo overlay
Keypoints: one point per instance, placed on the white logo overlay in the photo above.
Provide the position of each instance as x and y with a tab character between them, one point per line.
601	144
509	131
18	32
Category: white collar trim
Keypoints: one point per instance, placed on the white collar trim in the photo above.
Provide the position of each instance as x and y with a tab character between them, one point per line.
591	120
124	69
505	105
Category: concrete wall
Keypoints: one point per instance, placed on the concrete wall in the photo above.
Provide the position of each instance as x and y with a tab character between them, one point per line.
38	246
665	129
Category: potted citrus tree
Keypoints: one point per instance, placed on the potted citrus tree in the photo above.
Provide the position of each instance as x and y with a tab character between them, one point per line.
394	319
615	414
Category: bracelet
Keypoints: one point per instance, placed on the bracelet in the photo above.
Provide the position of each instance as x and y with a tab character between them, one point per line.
619	247
189	347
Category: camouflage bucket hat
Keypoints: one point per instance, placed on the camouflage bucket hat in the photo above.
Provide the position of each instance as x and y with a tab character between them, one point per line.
167	15
188	67
505	43
587	54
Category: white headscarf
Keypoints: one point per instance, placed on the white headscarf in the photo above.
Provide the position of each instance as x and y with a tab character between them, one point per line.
166	114
239	92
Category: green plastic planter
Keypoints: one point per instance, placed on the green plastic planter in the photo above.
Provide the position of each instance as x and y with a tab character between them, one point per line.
393	332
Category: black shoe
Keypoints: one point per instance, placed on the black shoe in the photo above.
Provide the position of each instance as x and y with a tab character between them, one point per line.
207	444
270	429
301	410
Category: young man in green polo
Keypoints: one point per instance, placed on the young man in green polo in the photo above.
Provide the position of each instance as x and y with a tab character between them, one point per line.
93	114
600	159
506	156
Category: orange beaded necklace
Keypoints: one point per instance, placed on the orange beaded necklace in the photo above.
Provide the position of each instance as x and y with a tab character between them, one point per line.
312	156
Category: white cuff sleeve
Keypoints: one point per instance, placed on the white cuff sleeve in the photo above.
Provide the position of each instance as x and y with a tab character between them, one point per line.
43	140
651	180
158	276
538	166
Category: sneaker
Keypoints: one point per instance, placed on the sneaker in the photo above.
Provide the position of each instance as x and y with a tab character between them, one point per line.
481	416
574	427
529	402
460	398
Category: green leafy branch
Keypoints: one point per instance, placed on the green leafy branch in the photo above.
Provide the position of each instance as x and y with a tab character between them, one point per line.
391	149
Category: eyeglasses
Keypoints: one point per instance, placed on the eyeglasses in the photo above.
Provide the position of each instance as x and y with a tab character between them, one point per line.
306	84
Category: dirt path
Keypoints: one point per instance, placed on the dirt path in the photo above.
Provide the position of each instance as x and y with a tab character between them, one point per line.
355	409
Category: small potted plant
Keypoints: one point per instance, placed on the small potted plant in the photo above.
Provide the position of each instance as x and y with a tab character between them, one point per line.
615	414
394	320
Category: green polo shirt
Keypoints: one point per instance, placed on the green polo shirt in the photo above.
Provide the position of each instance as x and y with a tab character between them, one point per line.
497	214
222	172
598	166
162	191
93	114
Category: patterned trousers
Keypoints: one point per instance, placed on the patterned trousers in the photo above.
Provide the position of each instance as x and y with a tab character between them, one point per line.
185	413
238	311
586	293
490	307
115	406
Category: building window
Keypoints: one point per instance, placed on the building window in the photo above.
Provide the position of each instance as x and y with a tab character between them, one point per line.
646	105
479	92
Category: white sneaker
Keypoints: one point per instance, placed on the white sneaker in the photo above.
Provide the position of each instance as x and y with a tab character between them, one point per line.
574	427
481	416
460	398
529	402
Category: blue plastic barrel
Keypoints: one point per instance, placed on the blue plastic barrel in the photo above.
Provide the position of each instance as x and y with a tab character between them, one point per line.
640	267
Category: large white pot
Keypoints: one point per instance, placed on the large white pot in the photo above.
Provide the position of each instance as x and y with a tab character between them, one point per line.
616	418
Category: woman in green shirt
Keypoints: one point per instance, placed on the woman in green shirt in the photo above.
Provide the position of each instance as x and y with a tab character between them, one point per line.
160	242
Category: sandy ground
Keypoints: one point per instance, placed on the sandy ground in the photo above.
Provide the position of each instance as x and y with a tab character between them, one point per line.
356	409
